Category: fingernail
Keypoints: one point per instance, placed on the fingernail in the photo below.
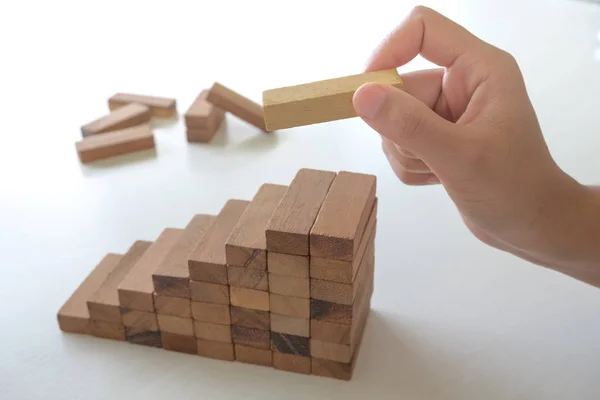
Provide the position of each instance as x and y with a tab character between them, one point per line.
368	100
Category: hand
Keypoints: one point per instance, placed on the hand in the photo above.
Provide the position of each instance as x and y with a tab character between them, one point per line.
471	127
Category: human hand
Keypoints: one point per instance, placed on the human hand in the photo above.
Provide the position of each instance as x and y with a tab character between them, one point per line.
471	127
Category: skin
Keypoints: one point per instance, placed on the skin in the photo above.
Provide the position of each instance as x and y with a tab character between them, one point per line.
470	126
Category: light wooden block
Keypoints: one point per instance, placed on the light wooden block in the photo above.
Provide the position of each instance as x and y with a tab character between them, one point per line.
291	363
249	278
171	277
249	298
321	101
203	114
201	135
249	318
258	338
178	325
238	105
252	355
144	338
162	107
74	316
207	262
125	117
287	305
213	313
288	264
246	246
209	292
290	344
107	330
212	332
216	350
289	228
170	305
115	143
289	286
179	343
140	320
290	325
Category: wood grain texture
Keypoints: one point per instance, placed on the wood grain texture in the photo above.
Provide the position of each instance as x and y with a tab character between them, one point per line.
178	325
246	246
250	278
290	325
289	286
321	101
171	276
115	143
125	117
213	313
249	298
342	219
216	350
291	363
209	292
238	105
136	290
251	337
142	320
252	355
249	318
175	306
103	305
290	344
74	316
289	228
179	343
287	305
345	271
212	332
288	264
162	107
108	330
144	338
207	262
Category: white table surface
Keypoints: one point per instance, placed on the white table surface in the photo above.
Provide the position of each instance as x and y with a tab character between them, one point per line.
451	318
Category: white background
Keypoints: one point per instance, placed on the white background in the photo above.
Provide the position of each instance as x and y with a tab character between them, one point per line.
452	318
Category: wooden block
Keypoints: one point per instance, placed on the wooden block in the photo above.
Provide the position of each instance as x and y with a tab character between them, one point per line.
250	278
246	246
175	306
212	332
142	320
179	343
108	330
288	265
104	303
250	318
290	325
207	261
201	135
172	275
136	290
125	117
289	286
74	316
238	105
252	355
258	338
213	313
216	350
343	217
209	292
249	298
115	143
144	338
162	107
290	344
291	362
287	305
321	101
178	325
289	228
345	271
203	114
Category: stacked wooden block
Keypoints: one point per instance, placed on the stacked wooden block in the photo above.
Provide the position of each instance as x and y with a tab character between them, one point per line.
202	119
282	280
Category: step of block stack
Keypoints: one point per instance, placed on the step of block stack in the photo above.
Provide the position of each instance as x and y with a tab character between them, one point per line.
283	280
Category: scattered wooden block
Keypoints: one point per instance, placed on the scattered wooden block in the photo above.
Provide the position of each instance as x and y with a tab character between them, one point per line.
136	290
201	135
74	316
209	292
246	246
288	265
249	278
213	313
289	227
125	117
252	355
107	330
289	286
115	143
172	275
162	107
290	344
207	261
103	305
290	325
216	350
238	105
291	362
287	305
212	332
175	306
203	119
321	101
177	325
249	318
179	343
139	320
249	298
144	338
251	337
